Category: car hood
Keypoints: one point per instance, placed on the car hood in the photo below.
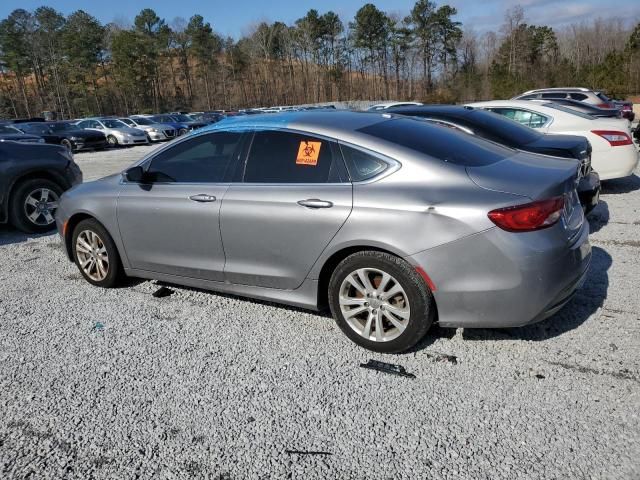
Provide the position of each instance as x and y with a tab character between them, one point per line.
19	137
572	146
527	174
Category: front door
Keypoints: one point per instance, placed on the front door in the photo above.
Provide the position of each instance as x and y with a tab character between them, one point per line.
291	203
171	223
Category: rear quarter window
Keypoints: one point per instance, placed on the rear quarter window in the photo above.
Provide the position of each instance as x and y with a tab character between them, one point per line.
441	143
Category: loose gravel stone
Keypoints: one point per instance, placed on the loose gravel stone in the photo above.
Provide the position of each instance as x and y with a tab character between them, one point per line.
118	384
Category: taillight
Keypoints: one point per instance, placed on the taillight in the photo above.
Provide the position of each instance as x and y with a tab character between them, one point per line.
614	138
604	105
529	216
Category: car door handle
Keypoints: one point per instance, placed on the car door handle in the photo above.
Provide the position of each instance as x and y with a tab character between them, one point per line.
315	203
202	197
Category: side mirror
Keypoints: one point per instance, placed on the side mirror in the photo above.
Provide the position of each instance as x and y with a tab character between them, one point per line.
135	175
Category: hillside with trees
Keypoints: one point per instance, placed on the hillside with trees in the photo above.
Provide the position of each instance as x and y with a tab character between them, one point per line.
76	66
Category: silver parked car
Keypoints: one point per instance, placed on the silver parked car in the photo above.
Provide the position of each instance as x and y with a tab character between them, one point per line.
117	132
394	223
157	132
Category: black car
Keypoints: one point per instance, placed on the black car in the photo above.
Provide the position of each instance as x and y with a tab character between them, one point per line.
11	133
66	134
587	108
32	179
501	130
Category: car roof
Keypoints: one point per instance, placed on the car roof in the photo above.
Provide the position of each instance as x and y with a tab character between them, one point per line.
450	110
557	89
319	120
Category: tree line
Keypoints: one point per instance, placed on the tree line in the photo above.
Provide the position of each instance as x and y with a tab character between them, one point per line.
76	66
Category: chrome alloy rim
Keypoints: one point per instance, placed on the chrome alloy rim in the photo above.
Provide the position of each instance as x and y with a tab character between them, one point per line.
40	206
374	304
92	255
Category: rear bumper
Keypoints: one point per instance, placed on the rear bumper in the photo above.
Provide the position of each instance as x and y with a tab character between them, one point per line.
621	163
589	191
496	279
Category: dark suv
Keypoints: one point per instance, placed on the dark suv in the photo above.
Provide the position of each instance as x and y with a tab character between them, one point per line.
32	179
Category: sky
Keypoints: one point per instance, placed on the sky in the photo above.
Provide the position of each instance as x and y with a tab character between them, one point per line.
235	17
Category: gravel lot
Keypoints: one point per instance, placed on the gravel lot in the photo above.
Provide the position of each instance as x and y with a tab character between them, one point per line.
119	384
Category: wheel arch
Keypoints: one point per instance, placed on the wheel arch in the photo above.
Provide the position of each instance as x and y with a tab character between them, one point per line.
332	262
71	224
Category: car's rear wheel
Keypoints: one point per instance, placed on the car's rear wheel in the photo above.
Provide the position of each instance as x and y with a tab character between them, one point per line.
112	140
95	254
33	205
380	302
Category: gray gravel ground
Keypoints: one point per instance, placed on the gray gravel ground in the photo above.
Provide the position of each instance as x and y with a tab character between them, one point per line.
118	384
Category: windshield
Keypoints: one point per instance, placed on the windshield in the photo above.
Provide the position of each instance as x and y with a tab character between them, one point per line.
500	126
182	118
8	129
571	111
128	121
143	121
444	144
62	126
163	119
114	124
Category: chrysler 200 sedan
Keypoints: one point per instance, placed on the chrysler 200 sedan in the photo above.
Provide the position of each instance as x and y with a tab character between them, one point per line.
393	223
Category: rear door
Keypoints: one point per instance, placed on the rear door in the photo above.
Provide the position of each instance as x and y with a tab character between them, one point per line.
293	198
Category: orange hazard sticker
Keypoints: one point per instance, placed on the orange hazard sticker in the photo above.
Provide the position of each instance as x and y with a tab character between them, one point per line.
308	153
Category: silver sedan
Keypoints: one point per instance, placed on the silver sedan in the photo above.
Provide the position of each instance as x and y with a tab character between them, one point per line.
393	223
157	132
117	132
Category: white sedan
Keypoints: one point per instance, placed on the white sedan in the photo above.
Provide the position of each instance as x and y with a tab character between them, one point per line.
614	155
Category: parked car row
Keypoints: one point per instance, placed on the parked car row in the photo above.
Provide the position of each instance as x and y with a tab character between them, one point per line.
97	133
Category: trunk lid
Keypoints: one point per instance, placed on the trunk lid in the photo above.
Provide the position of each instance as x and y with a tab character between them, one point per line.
535	177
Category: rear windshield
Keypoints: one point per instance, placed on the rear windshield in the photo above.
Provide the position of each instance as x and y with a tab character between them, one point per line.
442	143
569	110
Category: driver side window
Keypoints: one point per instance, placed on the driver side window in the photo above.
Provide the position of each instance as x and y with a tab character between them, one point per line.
202	159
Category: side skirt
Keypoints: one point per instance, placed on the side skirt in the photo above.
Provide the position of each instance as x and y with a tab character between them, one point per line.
305	296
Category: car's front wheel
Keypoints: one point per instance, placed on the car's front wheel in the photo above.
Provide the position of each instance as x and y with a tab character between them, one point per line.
33	205
95	254
112	141
380	301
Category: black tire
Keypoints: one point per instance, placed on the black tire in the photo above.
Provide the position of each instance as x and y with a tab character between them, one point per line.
114	272
182	131
419	297
67	144
19	210
112	141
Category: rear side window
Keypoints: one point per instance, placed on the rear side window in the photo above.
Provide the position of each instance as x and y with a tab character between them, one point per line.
554	95
362	165
288	157
202	159
578	96
444	144
524	117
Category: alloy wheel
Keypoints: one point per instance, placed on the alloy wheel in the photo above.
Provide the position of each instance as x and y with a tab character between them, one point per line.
374	304
40	206
92	255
